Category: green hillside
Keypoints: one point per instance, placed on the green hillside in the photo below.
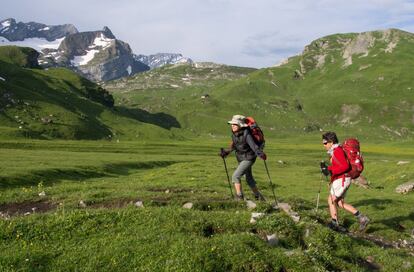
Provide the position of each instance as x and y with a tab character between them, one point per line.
57	103
357	84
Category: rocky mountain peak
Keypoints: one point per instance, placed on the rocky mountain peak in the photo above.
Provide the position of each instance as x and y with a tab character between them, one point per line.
13	31
108	33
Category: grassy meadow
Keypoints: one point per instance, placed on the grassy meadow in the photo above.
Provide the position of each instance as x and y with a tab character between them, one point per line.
86	219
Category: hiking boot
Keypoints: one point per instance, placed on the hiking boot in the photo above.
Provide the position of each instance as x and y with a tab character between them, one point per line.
239	197
259	197
363	222
336	227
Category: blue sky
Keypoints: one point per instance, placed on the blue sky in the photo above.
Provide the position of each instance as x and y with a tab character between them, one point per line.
258	33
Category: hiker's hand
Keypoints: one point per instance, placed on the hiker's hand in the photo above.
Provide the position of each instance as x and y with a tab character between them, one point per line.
223	153
262	155
324	169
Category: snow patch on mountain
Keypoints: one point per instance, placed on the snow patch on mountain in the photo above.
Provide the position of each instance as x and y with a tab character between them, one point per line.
36	43
161	59
5	24
84	59
102	41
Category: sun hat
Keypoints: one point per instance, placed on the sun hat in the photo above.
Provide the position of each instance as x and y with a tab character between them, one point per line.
238	120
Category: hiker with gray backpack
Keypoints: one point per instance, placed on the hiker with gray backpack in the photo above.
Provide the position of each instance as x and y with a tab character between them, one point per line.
346	164
247	145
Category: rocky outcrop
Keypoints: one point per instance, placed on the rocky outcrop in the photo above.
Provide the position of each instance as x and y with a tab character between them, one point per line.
345	48
358	46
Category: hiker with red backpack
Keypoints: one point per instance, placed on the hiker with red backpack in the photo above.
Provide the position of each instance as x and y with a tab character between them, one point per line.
247	150
346	164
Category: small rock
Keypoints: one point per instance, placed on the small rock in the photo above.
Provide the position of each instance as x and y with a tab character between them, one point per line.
407	265
250	204
281	162
82	204
139	204
27	213
370	259
307	233
34	209
272	240
405	187
255	216
287	209
4	216
188	205
289	253
402	162
167	191
42	193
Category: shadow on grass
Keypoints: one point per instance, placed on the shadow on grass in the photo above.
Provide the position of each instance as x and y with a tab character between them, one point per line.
55	175
161	119
376	203
395	222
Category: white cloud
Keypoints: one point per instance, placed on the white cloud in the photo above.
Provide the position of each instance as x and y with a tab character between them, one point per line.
238	32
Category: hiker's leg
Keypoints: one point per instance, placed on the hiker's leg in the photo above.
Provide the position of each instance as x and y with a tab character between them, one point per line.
250	179
238	188
237	175
252	184
346	206
333	210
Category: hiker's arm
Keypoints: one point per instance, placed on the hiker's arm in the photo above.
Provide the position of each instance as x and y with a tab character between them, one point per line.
230	148
339	163
224	152
254	147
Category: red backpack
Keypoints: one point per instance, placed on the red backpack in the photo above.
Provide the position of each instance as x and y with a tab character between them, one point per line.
256	131
352	151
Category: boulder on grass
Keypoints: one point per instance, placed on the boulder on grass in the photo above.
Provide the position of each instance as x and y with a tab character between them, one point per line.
405	187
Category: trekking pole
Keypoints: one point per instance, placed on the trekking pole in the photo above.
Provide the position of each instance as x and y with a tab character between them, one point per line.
227	173
270	181
319	192
320	186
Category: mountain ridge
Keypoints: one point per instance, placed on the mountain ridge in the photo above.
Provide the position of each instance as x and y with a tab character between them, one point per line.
96	55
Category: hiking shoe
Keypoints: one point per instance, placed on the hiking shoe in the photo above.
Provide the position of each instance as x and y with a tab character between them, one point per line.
260	197
239	197
332	225
363	222
336	227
